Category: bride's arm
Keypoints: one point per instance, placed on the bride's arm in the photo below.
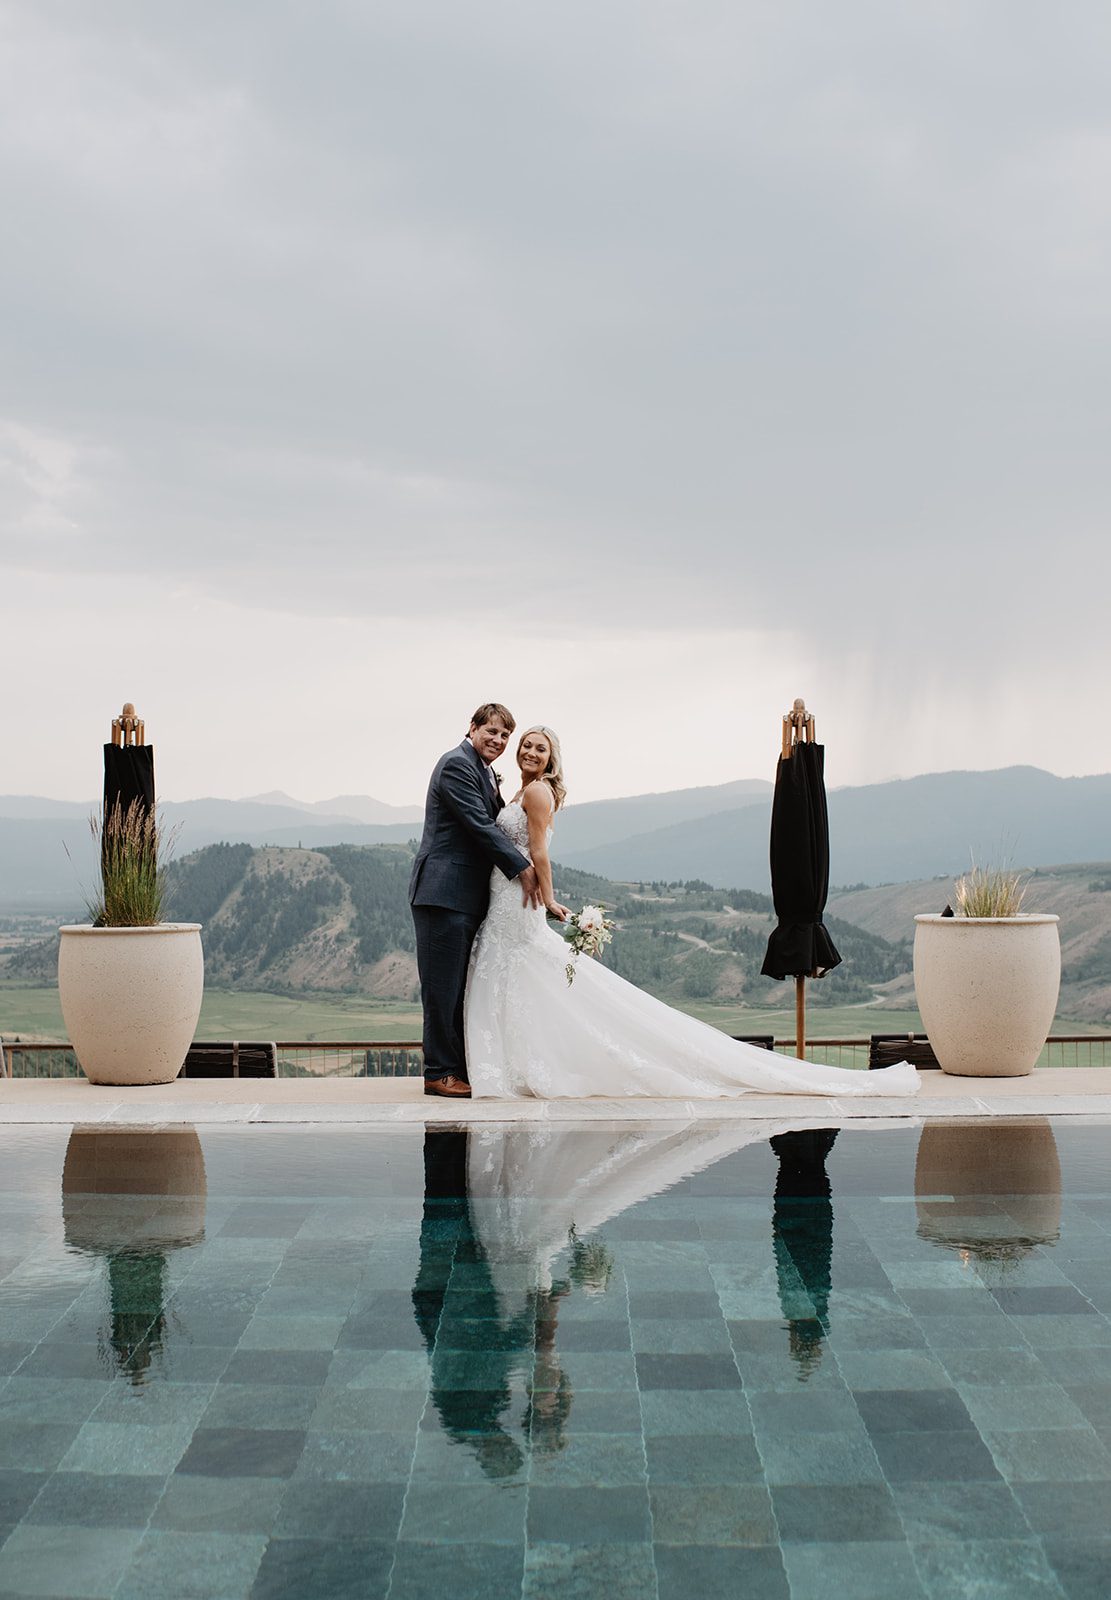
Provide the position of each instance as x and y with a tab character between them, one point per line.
538	806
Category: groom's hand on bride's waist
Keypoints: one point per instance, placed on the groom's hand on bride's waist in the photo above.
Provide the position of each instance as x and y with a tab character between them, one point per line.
530	887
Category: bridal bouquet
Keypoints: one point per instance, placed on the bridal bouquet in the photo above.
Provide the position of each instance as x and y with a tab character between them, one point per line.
587	932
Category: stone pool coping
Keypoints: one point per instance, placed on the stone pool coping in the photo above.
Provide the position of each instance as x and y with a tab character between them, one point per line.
1048	1091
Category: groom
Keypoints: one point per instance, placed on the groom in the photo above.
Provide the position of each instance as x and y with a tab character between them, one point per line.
449	891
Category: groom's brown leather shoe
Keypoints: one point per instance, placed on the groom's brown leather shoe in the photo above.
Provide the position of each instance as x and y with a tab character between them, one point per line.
452	1088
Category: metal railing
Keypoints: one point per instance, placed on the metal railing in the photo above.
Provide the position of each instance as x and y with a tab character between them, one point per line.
378	1058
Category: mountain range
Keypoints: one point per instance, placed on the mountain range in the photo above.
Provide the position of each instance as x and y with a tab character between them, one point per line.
913	828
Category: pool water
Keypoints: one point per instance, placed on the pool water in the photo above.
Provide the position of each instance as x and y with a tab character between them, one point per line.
631	1360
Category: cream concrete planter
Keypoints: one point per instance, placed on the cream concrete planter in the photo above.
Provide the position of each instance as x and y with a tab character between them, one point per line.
987	990
131	998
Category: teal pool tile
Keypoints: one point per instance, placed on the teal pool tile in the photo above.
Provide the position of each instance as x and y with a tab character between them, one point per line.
782	1373
179	1362
291	1333
304	1368
827	1411
360	1456
193	1504
12	1355
904	1410
315	1510
377	1369
1082	1567
669	1304
708	1514
473	1410
720	1572
865	1570
985	1368
580	1459
1066	1333
835	1513
602	1411
1049	1455
611	1334
687	1372
470	1458
154	1404
451	1514
954	1456
592	1516
259	1405
685	1459
35	1446
959	1511
374	1410
994	1332
819	1457
92	1500
1022	1408
312	1300
1067	1508
192	1566
996	1569
681	1336
1093	1400
712	1412
892	1369
402	1333
583	1572
243	1452
589	1369
876	1333
48	1362
17	1491
324	1569
1043	1300
476	1571
75	1562
67	1400
1085	1367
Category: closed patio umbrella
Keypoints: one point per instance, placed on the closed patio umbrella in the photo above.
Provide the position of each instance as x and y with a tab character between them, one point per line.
799	946
128	765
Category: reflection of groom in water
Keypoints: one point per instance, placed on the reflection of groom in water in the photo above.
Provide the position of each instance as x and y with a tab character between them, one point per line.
460	1317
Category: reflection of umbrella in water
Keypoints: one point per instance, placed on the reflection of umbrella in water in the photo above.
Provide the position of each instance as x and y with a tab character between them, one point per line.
800	946
802	1237
165	1166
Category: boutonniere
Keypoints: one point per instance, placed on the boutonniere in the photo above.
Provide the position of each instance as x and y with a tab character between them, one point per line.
497	777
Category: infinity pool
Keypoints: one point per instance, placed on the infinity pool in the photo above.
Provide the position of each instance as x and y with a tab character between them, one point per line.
624	1361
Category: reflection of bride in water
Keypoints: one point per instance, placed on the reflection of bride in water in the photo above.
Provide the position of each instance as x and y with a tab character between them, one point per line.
509	1233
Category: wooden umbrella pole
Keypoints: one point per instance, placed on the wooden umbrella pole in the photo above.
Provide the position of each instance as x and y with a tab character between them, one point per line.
800	1018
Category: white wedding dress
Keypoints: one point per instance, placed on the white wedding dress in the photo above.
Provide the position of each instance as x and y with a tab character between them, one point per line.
530	1033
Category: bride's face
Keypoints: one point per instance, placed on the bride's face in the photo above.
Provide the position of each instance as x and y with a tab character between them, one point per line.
533	755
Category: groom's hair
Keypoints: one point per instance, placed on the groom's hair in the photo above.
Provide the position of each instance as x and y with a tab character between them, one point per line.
489	711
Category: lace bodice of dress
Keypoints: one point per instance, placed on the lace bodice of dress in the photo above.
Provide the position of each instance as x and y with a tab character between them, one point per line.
514	824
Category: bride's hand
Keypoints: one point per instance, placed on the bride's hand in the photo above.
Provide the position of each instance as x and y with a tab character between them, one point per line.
560	913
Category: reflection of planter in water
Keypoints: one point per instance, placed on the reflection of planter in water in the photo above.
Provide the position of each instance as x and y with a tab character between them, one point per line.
1005	1180
164	1165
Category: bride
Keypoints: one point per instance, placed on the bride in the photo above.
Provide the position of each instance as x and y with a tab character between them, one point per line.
529	1033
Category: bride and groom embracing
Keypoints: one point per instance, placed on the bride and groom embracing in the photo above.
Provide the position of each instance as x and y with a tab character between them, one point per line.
500	1018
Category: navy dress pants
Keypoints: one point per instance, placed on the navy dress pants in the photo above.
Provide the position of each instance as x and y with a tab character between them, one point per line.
444	940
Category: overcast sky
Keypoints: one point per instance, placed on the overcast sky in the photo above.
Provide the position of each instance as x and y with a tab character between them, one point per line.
643	365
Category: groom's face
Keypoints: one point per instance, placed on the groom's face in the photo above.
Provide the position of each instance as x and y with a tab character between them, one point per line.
490	739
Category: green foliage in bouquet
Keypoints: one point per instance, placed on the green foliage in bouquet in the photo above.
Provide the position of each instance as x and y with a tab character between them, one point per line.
133	854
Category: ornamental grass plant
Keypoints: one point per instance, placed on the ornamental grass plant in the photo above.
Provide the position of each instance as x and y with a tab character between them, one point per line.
990	892
133	854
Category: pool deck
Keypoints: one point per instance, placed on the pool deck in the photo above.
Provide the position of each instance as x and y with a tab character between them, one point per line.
1055	1091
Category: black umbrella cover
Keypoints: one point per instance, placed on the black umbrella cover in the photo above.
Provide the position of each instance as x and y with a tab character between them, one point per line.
128	776
800	946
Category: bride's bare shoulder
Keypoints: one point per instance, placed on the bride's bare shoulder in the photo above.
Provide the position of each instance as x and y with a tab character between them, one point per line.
538	800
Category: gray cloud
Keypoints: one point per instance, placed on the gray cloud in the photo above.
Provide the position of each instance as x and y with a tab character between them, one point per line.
733	315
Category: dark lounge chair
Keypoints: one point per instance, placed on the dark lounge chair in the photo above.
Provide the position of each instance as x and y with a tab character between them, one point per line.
221	1059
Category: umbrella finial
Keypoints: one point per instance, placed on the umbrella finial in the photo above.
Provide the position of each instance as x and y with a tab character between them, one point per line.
127	728
798	727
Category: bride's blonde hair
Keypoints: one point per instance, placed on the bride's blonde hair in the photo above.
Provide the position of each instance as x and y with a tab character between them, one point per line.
553	774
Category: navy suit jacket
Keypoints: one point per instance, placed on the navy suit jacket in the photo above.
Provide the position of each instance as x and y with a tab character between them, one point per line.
461	840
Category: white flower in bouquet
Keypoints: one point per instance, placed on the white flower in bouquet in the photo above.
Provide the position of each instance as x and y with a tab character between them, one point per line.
587	932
